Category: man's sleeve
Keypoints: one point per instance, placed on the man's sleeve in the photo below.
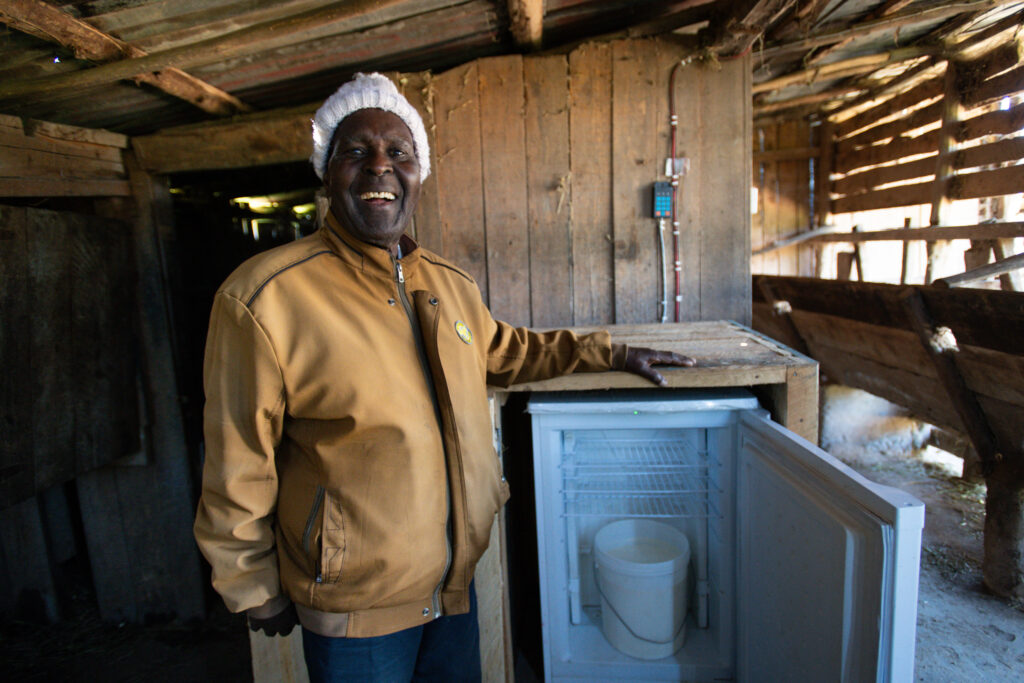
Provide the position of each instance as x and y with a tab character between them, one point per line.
518	354
242	419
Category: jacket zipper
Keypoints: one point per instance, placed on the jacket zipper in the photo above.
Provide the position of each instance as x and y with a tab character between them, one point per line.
307	533
417	336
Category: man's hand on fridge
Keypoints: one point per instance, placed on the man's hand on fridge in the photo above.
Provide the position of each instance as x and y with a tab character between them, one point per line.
640	361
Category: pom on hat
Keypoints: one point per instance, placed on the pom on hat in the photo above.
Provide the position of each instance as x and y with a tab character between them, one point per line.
366	91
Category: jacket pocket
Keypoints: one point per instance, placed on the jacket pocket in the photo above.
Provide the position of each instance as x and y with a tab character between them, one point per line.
332	545
314	513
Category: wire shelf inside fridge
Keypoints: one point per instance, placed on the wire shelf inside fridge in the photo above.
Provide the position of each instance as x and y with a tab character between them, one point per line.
605	474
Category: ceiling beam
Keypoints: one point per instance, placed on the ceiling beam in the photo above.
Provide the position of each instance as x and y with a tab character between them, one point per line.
735	32
246	41
526	21
864	28
86	42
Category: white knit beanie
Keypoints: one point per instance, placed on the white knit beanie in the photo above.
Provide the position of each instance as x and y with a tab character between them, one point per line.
366	91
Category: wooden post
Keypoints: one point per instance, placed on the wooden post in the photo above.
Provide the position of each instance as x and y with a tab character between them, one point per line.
823	184
1013	281
1003	563
857	258
844	265
944	170
905	256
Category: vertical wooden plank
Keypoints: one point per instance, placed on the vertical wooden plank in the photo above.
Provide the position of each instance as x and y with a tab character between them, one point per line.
278	659
823	186
802	179
490	591
92	328
725	163
771	197
590	160
503	155
138	520
634	169
17	466
547	167
459	176
419	90
690	200
50	248
757	236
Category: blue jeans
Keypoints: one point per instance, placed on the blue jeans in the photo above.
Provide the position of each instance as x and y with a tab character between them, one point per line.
445	650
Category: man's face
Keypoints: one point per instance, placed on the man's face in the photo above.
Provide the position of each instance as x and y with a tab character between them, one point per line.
373	177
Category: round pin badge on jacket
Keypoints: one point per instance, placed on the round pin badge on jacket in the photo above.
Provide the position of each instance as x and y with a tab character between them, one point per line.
462	330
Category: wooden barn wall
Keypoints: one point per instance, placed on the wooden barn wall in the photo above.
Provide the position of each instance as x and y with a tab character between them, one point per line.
67	344
953	136
782	176
542	177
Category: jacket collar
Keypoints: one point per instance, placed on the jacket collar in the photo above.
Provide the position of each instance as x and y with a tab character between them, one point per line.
364	256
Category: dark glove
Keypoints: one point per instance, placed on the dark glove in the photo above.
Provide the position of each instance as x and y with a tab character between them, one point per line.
281	624
639	361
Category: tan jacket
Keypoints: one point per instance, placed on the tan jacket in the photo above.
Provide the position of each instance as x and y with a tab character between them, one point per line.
332	473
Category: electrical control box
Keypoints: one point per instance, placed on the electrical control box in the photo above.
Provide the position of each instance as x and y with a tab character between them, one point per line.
662	200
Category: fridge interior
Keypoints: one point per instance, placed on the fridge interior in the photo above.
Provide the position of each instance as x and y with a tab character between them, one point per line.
594	469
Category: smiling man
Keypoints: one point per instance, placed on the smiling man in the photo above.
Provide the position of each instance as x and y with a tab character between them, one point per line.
350	480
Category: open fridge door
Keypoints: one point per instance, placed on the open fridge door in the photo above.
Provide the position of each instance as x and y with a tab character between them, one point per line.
827	564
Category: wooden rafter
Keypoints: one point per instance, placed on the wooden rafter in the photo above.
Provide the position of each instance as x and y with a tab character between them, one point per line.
817	98
50	23
883	23
848	67
246	41
526	21
735	32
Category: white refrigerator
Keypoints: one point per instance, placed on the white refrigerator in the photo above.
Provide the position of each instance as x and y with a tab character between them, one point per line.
799	569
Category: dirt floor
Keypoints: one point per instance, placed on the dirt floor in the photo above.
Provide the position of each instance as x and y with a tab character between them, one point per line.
963	633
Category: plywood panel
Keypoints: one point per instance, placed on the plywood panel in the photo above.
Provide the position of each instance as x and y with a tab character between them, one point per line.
547	155
590	149
459	174
634	169
504	156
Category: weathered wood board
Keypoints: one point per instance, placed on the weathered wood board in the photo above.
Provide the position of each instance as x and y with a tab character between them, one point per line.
504	155
41	159
863	338
590	120
68	343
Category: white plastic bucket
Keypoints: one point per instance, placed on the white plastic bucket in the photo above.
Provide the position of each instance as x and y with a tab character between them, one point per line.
640	569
